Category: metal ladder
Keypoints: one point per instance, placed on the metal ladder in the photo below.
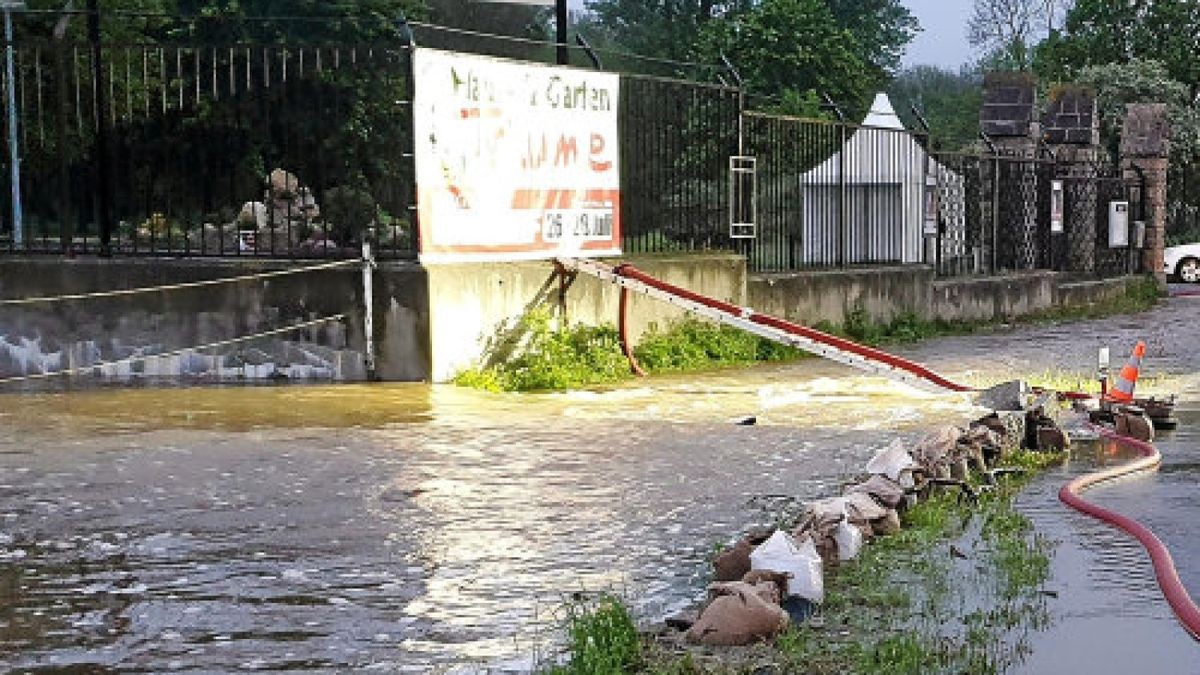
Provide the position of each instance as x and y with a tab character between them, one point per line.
744	321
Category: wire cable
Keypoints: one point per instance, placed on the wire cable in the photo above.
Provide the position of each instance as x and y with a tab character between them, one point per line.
177	352
174	287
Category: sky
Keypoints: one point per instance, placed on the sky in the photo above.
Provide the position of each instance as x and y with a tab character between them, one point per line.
943	40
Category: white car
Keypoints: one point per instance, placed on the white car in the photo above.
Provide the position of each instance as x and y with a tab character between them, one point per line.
1183	262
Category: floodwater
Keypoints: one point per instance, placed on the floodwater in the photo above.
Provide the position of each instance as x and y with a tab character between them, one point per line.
417	528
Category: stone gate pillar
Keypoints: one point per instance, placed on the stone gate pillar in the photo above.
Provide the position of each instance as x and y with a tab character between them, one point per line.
1007	117
1145	153
1071	128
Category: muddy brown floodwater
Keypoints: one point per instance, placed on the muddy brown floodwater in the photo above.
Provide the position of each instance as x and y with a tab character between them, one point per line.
420	528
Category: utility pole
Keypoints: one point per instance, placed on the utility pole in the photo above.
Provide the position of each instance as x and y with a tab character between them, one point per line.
14	152
103	179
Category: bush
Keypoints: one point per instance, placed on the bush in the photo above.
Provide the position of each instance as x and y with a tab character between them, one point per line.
603	639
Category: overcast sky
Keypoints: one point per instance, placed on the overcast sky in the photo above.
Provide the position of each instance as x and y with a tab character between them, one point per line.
943	40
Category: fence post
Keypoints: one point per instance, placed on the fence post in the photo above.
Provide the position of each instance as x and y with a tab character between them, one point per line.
104	179
13	150
1145	148
368	272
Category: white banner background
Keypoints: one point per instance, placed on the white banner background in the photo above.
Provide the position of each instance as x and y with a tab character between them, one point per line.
514	161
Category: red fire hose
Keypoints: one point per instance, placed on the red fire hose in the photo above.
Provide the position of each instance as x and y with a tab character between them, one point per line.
1164	567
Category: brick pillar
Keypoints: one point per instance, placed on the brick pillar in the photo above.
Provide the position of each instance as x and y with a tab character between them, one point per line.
1146	146
1007	117
1071	128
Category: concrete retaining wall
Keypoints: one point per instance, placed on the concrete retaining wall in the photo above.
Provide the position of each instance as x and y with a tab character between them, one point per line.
475	308
430	322
76	334
884	293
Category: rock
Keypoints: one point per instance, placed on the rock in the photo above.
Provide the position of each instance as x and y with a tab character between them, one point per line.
959	469
220	239
683	620
306	204
253	216
737	617
318	244
283	184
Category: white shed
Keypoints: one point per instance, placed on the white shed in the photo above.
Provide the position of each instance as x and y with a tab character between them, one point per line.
880	171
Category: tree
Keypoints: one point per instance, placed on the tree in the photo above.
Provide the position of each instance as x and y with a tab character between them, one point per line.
1006	30
882	30
1104	31
948	101
1144	81
790	46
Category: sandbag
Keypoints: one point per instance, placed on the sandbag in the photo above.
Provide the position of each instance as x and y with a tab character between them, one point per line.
738	617
781	553
849	541
889	524
861	507
733	563
778	579
766	591
890	461
937	445
884	490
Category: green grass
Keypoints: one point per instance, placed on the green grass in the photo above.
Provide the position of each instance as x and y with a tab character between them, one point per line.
602	638
577	356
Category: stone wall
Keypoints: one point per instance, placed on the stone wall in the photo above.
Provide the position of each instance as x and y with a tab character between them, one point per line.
78	334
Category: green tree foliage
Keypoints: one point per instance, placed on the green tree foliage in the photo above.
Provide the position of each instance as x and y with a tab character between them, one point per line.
1144	81
786	48
1115	31
948	100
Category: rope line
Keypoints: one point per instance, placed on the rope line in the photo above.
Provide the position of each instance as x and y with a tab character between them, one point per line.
174	287
178	352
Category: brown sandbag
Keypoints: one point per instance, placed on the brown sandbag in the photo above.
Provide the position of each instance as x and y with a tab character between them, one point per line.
733	563
738	617
771	585
889	524
861	507
883	489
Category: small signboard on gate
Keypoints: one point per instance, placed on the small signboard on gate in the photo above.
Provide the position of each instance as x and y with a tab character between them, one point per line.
1057	202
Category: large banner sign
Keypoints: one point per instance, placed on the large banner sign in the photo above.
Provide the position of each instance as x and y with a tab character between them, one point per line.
514	161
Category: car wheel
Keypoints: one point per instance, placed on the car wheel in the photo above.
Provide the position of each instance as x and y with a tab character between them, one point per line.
1189	270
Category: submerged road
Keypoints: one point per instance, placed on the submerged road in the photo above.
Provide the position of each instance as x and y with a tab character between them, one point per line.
416	528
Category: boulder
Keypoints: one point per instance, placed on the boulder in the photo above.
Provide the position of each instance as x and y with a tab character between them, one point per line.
253	216
284	185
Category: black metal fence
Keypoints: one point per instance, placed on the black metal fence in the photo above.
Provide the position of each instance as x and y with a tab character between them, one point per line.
291	147
191	133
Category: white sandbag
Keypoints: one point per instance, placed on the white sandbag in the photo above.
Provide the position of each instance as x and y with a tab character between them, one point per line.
849	541
891	461
780	553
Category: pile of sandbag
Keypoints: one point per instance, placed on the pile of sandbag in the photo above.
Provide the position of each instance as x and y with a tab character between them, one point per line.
758	581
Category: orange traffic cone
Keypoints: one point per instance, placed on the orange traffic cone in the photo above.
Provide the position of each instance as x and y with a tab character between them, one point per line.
1122	390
